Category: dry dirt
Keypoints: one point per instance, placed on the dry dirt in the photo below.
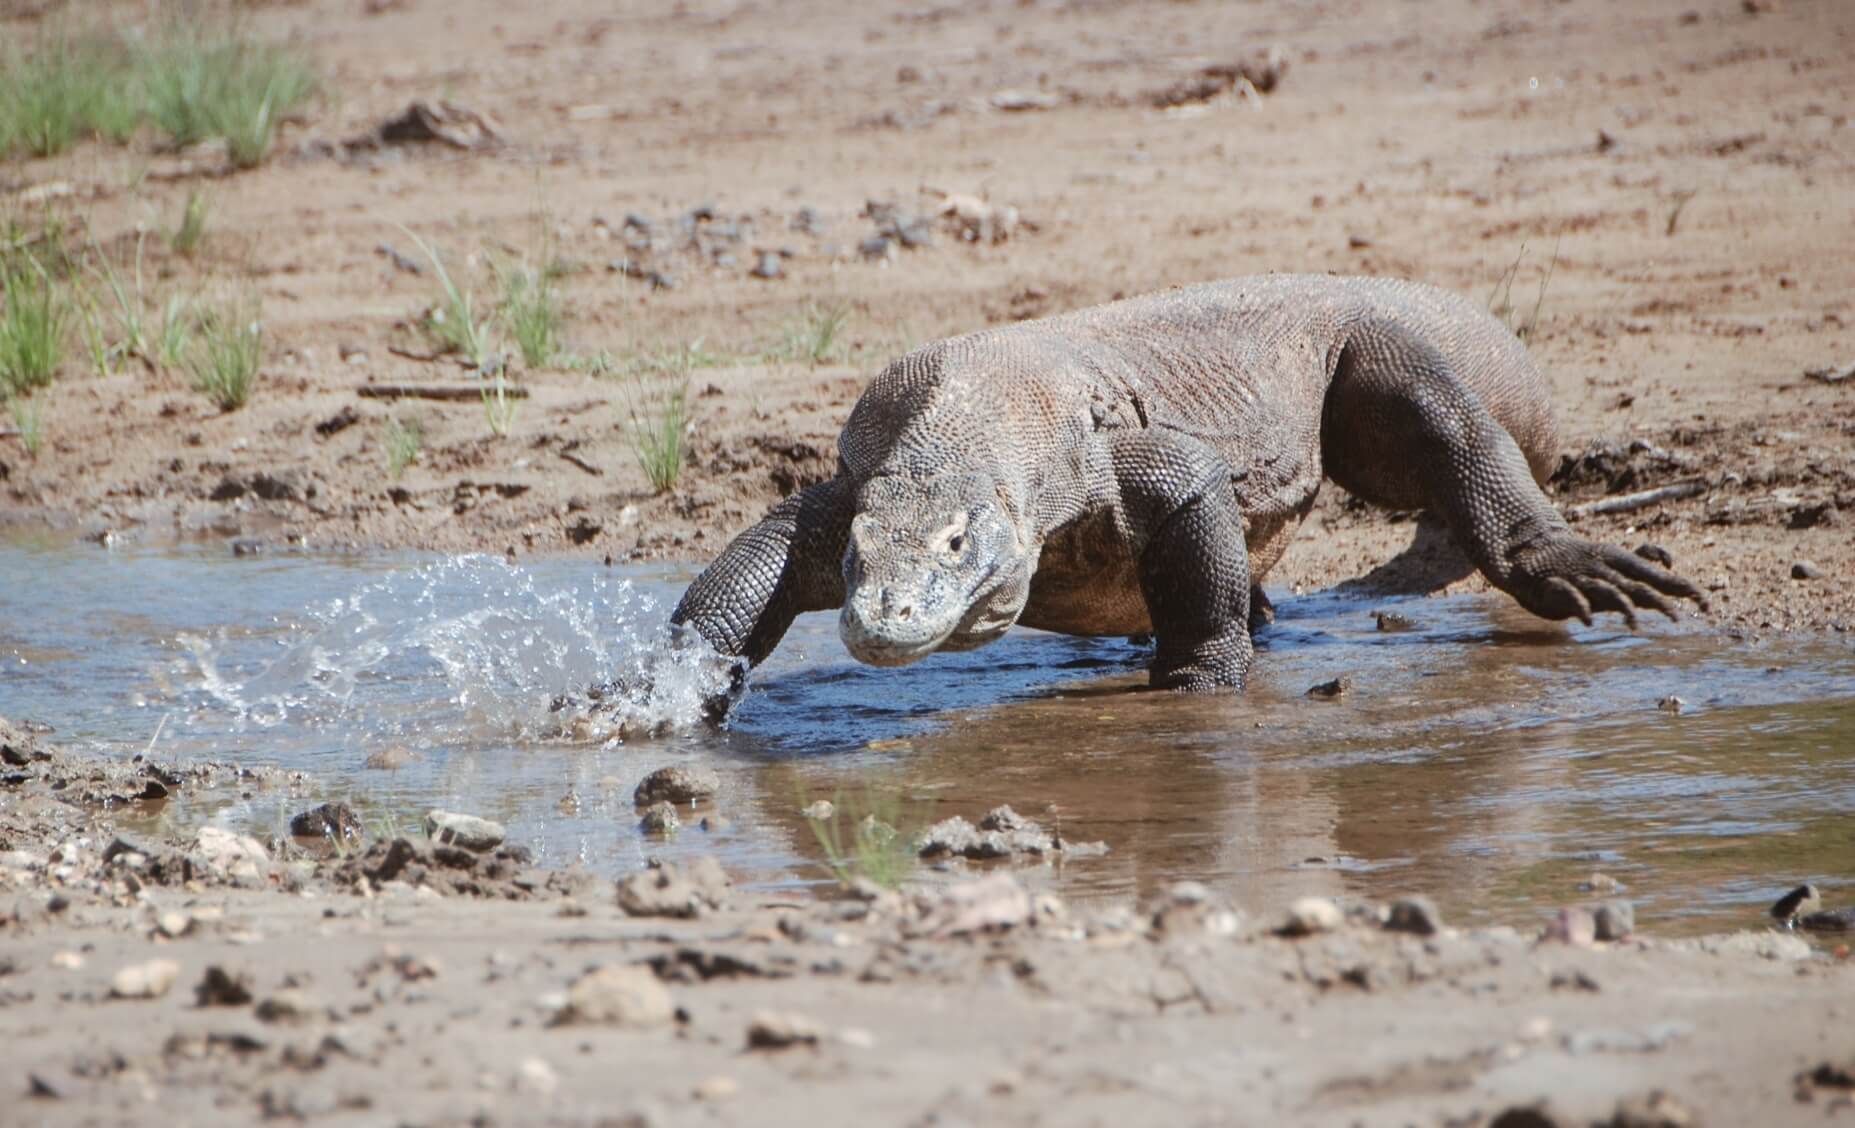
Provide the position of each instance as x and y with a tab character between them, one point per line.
1681	168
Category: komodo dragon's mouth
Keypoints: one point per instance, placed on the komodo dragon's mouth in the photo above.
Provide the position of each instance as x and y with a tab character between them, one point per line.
981	621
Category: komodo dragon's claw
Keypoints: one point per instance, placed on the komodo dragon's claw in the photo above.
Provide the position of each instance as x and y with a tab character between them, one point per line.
1567	577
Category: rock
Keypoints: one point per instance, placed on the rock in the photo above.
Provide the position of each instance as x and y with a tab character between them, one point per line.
1833	920
777	1030
1393	621
1671	704
536	1077
1540	1115
1332	690
1642	1040
1000	834
663	892
174	924
677	785
661	818
1312	915
710	880
1657	1110
1805	570
149	980
617	995
234	855
1574	926
1600	883
222	988
982	905
769	266
1614	920
336	822
1415	915
291	1004
468	831
717	1088
821	811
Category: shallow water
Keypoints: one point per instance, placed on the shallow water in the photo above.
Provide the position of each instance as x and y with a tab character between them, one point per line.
1485	758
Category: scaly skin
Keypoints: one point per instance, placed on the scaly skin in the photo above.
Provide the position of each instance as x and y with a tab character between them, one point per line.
1138	467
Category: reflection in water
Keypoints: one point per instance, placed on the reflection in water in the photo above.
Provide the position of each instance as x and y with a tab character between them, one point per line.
1485	758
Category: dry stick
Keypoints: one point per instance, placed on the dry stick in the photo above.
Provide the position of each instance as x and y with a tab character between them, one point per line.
582	464
471	392
1624	503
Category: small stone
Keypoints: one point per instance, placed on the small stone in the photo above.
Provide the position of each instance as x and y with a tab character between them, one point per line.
1657	1110
291	1004
1332	690
222	988
1614	920
467	831
1574	926
68	960
717	1088
234	855
677	785
660	892
820	811
1600	883
769	266
1415	915
776	1030
1805	570
1311	915
661	818
336	822
536	1078
619	995
1390	621
174	924
1671	704
149	980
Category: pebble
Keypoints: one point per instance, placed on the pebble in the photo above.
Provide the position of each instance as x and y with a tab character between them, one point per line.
776	1030
235	855
1614	920
291	1004
1415	915
618	995
335	821
68	960
174	924
536	1077
1311	915
1805	570
1393	621
1332	690
770	266
1671	704
677	785
149	980
468	831
820	811
661	818
222	988
717	1088
1600	883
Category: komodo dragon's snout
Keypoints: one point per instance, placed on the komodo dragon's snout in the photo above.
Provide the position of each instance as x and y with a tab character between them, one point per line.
933	563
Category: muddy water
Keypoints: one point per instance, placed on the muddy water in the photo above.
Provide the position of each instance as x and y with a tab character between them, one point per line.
1484	758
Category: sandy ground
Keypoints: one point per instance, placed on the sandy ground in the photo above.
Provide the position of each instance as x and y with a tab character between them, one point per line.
1679	171
1681	168
220	980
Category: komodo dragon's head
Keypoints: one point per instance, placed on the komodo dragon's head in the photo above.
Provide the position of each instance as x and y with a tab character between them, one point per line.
934	563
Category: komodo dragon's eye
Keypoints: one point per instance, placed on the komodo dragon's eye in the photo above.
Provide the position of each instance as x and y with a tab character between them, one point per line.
951	536
954	542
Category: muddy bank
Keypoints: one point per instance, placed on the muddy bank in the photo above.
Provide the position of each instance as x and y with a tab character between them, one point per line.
218	979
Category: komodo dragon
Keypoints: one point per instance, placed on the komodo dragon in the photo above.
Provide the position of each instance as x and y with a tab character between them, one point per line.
1136	468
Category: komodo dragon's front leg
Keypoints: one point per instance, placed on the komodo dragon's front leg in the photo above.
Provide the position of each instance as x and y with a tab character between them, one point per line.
1180	517
792	561
1402	428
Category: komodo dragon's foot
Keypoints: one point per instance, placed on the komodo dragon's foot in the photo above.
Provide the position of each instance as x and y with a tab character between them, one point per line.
1561	576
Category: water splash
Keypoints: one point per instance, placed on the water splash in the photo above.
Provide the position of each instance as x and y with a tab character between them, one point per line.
467	650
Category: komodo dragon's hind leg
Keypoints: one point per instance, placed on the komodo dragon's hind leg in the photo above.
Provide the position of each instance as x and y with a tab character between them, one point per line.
1181	518
792	561
1401	427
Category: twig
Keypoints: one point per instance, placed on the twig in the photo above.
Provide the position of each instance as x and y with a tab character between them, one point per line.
582	464
155	737
471	392
1625	503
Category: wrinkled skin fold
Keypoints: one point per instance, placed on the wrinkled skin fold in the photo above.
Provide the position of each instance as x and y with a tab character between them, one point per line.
1137	468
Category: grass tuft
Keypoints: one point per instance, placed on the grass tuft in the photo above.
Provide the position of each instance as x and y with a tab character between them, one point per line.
657	426
498	406
812	336
452	323
1501	298
32	327
210	82
224	361
862	839
531	306
29	420
61	90
192	230
402	441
